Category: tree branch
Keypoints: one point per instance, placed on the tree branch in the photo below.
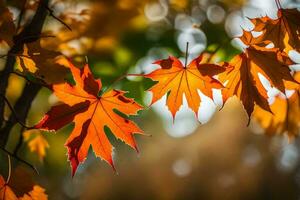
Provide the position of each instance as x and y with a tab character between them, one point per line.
20	159
15	115
22	106
51	13
30	33
39	81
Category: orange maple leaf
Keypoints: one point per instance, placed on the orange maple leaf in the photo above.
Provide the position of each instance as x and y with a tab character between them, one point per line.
177	80
91	114
243	76
283	32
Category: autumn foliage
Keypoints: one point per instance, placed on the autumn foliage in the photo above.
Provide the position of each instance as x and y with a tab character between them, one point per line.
94	109
91	113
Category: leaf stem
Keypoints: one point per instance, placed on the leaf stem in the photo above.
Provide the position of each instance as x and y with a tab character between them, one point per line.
186	54
278	4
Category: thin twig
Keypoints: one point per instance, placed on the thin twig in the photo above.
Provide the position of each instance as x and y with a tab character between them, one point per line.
9	169
39	36
20	159
14	112
21	75
51	13
14	54
41	81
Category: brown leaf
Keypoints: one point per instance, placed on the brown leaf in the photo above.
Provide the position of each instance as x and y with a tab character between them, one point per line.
21	186
242	78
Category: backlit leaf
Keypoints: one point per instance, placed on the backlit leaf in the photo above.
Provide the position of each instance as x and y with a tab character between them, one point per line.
91	114
177	80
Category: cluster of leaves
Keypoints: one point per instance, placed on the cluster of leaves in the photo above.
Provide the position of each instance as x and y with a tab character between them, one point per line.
240	78
93	109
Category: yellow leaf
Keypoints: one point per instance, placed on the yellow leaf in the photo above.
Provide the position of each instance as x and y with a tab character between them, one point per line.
37	143
25	62
44	63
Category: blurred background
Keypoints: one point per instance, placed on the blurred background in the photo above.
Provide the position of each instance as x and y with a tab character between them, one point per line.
213	157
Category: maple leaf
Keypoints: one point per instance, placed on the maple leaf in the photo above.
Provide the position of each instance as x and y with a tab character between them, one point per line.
91	114
242	76
283	32
177	80
46	64
285	117
21	187
36	142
